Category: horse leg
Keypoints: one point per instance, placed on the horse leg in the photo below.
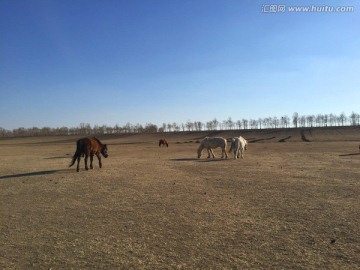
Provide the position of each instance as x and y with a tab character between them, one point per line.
91	161
212	153
99	158
78	162
208	150
224	152
85	160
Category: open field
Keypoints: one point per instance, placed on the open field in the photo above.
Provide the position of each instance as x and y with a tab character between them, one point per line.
291	203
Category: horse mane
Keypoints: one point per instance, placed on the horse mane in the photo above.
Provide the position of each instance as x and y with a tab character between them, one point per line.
98	141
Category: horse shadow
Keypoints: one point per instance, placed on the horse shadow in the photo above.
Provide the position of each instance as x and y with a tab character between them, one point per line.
259	140
198	159
47	172
58	157
284	139
184	159
213	159
352	154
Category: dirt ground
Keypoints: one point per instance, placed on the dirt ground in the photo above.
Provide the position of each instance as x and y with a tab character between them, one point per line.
287	205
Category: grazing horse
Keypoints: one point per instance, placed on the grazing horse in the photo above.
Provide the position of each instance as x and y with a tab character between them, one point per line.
163	142
212	142
89	147
238	145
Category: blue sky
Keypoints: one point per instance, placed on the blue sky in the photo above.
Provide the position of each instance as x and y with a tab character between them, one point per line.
65	62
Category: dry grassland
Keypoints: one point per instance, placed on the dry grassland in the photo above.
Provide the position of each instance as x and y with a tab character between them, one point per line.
290	205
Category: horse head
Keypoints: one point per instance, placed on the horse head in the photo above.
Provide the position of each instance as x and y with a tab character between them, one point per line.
104	150
200	149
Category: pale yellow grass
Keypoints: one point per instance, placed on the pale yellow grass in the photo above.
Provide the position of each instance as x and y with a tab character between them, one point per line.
292	205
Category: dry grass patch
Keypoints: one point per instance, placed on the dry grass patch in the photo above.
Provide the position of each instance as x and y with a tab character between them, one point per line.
291	205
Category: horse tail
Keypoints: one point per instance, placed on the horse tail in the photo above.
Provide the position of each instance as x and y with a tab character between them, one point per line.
73	160
77	153
232	146
245	143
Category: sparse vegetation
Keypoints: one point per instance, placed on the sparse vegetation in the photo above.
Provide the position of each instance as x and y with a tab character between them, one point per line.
320	120
291	205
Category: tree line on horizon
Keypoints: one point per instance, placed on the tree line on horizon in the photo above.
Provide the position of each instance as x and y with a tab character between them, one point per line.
297	121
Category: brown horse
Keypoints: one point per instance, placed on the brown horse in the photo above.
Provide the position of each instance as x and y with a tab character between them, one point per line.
163	142
89	147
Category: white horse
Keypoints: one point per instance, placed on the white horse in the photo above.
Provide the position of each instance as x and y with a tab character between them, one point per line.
238	145
212	142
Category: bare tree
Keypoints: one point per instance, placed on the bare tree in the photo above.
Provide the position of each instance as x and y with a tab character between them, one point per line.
285	121
215	123
276	122
295	119
245	123
176	127
302	121
5	133
310	120
238	124
138	128
45	131
223	125
332	120
319	120
198	125
253	124
209	125
128	128
326	119
109	130
354	119
189	125
266	122
342	118
229	123
117	129
357	119
85	129
150	128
